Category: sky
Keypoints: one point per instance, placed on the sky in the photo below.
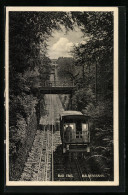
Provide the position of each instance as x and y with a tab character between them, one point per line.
61	43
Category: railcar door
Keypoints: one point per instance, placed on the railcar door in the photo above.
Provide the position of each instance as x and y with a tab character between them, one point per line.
78	131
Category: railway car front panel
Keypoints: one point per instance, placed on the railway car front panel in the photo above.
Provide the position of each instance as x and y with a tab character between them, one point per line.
75	134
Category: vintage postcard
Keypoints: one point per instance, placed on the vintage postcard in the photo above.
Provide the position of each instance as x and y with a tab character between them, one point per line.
61	96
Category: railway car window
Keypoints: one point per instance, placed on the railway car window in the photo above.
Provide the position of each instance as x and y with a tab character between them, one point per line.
69	131
85	132
72	125
84	127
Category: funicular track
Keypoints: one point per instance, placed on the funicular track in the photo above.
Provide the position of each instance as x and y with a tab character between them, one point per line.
69	169
78	169
51	140
81	172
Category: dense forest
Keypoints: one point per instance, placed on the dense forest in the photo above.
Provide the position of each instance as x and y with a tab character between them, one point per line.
91	66
91	69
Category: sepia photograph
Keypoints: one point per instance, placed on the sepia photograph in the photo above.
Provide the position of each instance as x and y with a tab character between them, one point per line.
61	96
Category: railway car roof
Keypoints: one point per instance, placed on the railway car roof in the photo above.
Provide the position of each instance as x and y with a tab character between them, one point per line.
70	112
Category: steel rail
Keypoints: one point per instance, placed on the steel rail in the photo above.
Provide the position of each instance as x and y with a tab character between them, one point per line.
52	144
78	169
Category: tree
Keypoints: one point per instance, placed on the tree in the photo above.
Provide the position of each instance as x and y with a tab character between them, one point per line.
29	32
29	66
66	67
96	55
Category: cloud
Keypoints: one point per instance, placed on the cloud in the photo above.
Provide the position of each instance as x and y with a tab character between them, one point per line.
61	48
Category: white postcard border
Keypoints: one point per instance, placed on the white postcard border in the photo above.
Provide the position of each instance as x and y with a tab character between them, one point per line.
115	103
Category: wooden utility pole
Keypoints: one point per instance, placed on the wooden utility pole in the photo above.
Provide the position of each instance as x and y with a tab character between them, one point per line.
83	71
96	81
71	100
38	111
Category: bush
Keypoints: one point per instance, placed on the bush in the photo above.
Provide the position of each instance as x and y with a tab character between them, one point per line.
23	126
82	98
20	145
101	113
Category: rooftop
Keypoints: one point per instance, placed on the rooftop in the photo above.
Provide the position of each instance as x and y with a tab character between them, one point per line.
70	112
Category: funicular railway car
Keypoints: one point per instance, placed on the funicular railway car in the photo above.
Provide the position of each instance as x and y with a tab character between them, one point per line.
74	131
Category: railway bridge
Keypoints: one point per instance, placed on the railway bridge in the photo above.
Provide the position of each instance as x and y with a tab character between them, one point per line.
56	87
